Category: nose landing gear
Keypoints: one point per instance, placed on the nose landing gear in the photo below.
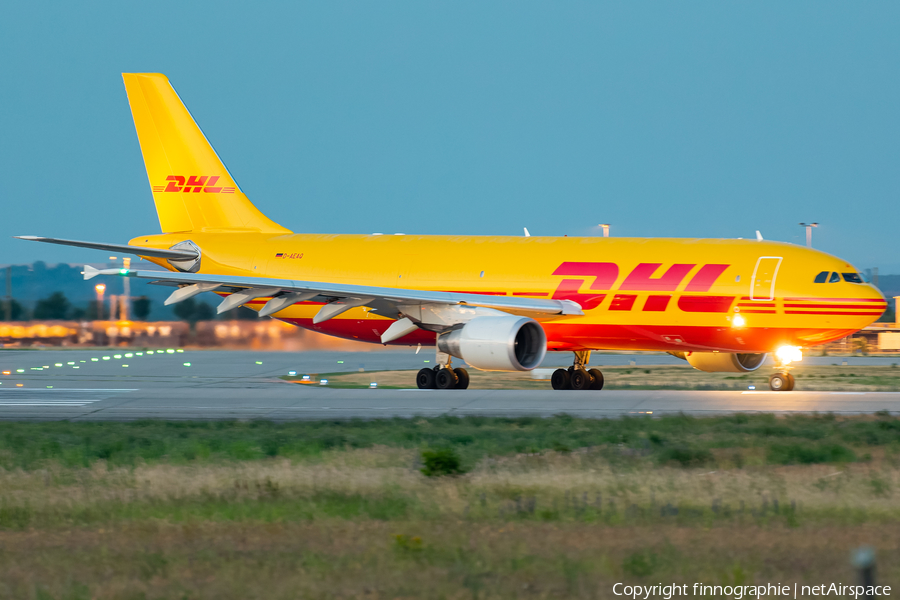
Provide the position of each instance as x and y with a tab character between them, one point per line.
578	376
781	382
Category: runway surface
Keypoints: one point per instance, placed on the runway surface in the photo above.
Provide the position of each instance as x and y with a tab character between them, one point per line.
125	385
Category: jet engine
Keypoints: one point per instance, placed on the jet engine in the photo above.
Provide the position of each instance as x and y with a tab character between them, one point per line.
502	343
723	362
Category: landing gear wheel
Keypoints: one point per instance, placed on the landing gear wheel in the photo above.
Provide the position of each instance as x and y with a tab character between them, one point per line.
580	379
445	379
791	381
597	379
560	379
781	382
425	379
462	379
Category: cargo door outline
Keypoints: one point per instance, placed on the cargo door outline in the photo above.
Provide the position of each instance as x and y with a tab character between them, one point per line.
767	269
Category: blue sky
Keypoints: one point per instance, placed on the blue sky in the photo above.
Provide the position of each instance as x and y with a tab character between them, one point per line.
689	119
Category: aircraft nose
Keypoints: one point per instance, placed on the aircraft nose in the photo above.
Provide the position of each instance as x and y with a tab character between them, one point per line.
874	293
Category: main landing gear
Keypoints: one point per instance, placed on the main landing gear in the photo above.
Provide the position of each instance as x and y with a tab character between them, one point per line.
578	376
442	377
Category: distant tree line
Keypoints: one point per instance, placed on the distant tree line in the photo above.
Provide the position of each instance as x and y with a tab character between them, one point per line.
57	307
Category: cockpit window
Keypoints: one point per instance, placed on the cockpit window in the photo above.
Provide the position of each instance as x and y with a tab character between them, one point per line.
834	278
822	277
852	277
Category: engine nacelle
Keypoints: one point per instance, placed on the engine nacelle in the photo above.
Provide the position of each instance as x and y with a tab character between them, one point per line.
504	343
724	362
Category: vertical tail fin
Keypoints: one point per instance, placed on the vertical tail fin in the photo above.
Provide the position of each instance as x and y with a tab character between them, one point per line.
192	189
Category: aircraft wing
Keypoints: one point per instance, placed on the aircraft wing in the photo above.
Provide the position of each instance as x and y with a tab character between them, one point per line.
338	297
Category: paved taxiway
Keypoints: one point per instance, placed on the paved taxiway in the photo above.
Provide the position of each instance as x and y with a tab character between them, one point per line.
123	385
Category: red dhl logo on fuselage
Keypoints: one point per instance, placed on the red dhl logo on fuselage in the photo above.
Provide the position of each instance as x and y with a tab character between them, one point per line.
641	279
193	183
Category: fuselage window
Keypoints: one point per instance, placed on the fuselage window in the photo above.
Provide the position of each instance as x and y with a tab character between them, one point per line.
834	278
822	277
852	277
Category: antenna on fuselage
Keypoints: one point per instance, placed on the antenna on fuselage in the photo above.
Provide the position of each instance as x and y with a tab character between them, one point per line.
759	236
526	232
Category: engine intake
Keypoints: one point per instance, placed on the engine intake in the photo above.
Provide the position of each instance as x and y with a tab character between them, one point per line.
497	343
724	362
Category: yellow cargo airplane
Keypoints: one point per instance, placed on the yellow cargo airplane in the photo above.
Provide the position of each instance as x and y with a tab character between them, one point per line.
499	303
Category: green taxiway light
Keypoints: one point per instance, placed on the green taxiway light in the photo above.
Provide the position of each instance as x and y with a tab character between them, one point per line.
340	362
71	362
76	367
259	362
57	364
124	365
123	271
187	364
105	358
95	360
179	350
50	387
20	370
117	356
140	353
170	351
129	355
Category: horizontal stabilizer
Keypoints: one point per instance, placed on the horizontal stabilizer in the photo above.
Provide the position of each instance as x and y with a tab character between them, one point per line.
122	248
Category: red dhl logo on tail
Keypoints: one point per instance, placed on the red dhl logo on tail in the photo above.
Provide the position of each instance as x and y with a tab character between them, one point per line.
193	183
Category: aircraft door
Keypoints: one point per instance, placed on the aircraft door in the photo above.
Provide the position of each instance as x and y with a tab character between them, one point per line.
762	284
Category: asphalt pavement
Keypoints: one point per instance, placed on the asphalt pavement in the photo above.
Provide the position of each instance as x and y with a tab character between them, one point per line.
208	384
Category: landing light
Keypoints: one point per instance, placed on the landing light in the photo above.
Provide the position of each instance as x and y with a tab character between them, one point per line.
738	321
788	354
